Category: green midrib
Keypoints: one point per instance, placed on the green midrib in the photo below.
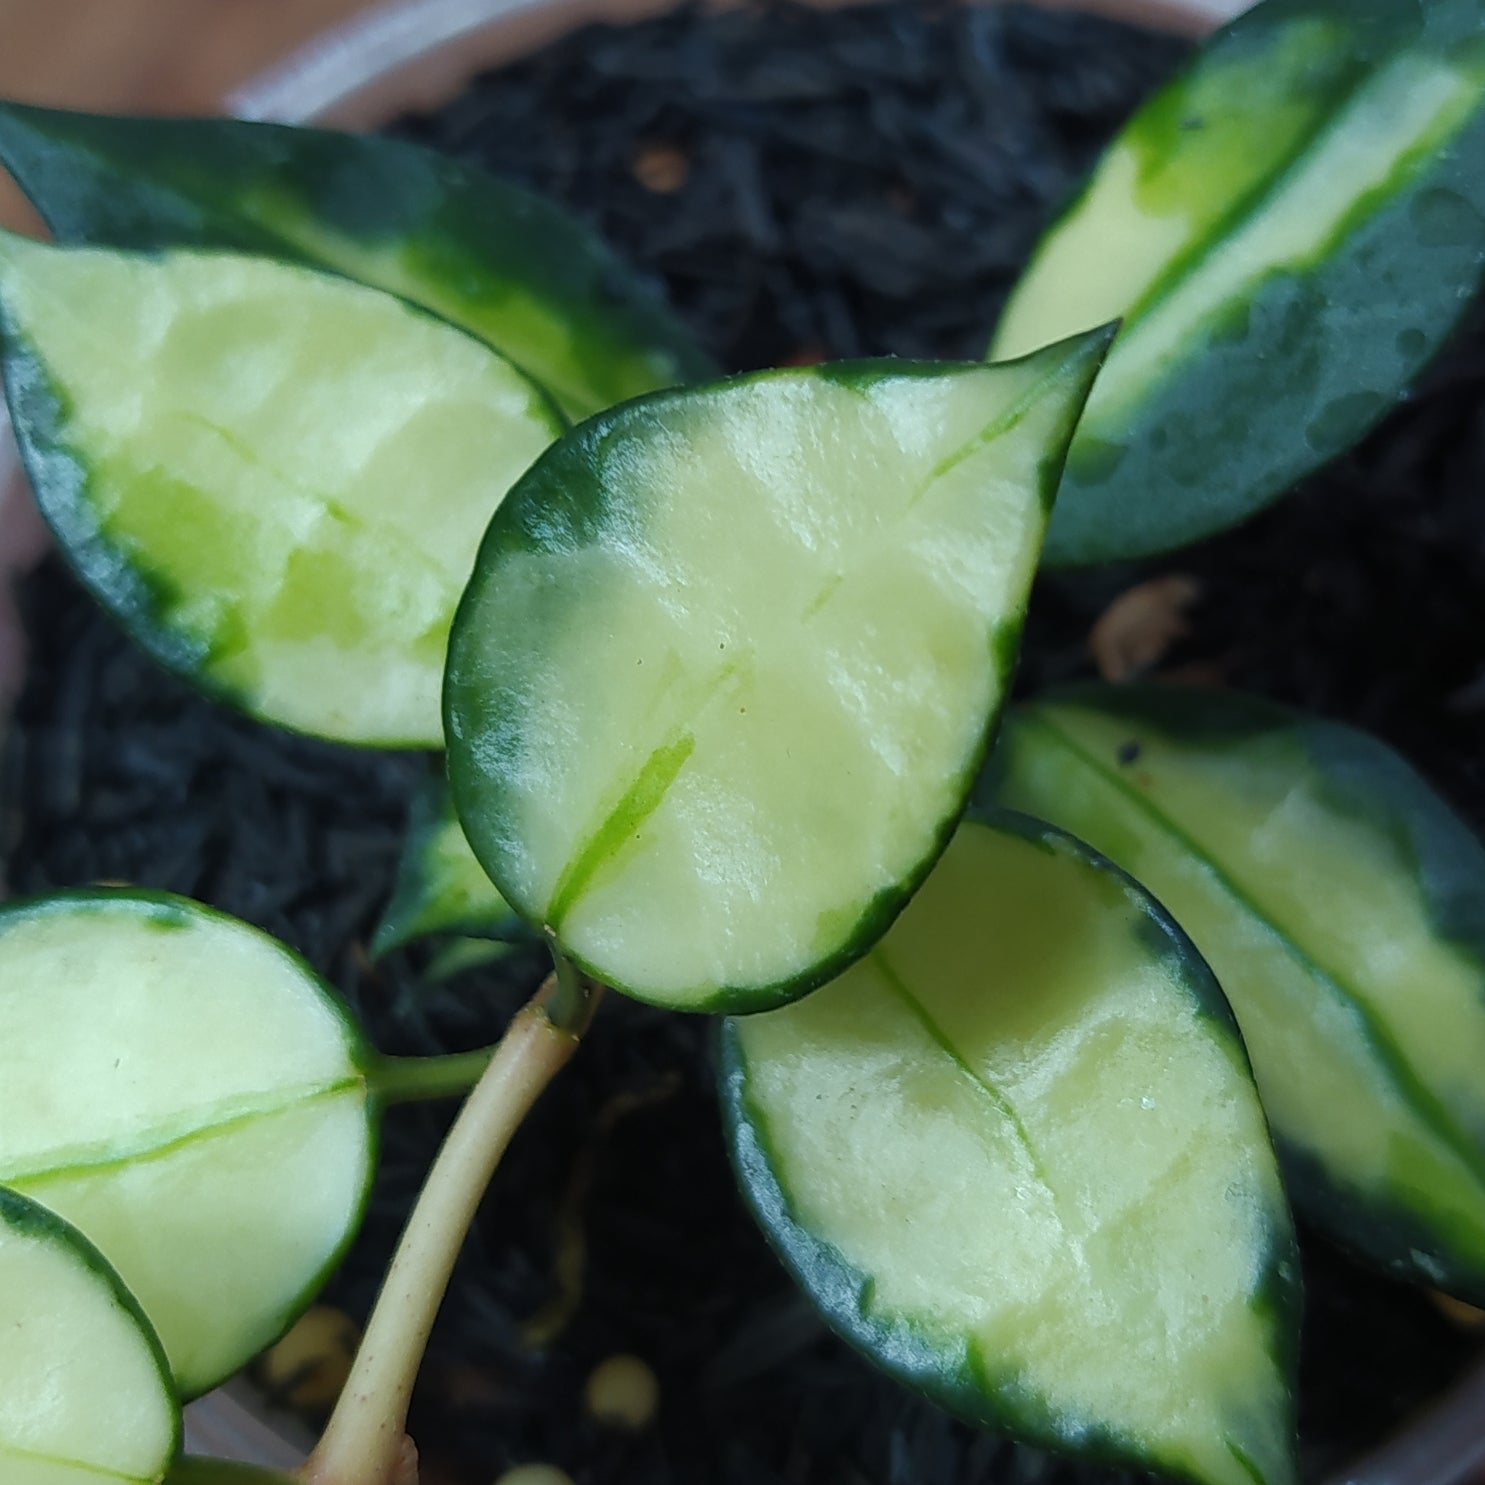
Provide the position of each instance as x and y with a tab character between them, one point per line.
992	432
161	1141
1002	1104
645	794
1244	1460
1329	124
78	442
32	1456
1434	1113
1004	1107
1242	210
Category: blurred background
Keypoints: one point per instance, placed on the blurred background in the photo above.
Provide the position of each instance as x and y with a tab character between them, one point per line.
173	56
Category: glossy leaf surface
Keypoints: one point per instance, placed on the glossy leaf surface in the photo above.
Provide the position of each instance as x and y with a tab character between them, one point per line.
1015	1155
274	478
1289	231
719	684
510	267
1341	905
190	1095
85	1393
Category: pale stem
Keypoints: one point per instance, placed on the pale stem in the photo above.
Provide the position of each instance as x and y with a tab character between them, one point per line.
364	1438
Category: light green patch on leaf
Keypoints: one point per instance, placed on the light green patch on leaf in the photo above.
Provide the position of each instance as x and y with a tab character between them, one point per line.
1340	905
194	1102
508	266
85	1392
275	479
731	655
1288	232
1016	1156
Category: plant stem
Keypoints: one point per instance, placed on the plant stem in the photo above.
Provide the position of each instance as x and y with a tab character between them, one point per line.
573	994
408	1079
364	1438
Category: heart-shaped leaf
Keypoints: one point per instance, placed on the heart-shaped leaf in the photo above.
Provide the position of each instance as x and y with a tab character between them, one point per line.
730	654
1342	907
1289	231
506	265
191	1096
85	1391
274	478
1015	1155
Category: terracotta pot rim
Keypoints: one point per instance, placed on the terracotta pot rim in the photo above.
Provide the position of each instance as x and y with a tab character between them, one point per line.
403	54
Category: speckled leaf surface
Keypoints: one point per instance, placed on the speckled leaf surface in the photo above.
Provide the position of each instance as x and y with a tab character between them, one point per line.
730	656
190	1095
1342	907
1016	1156
508	266
1289	231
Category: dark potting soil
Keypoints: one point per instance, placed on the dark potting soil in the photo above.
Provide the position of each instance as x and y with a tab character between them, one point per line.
803	184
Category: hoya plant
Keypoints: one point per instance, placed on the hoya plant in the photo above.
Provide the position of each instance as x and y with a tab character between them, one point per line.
1027	1046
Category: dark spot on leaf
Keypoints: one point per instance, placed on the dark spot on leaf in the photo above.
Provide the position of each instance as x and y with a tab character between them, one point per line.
1411	344
1444	218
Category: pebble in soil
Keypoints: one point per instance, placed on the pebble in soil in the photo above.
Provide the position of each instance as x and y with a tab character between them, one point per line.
802	184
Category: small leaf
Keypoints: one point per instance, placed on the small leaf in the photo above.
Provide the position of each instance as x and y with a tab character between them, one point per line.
730	656
1288	231
508	266
190	1095
460	956
1341	905
1015	1155
274	478
441	887
85	1392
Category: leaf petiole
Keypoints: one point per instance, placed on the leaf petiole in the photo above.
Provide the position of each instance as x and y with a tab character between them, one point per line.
364	1440
415	1079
